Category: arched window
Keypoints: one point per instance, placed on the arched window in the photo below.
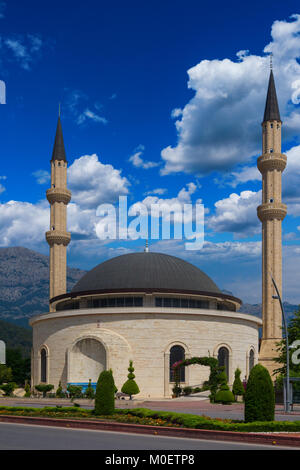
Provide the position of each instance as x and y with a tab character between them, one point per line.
223	359
177	353
43	365
251	360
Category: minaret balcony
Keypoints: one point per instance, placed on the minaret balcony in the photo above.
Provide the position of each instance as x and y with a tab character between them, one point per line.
57	237
271	161
271	211
58	195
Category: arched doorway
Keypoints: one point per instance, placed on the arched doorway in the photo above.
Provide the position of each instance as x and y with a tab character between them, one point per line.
87	360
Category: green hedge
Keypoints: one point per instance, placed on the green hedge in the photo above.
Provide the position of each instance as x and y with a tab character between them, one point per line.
183	419
204	422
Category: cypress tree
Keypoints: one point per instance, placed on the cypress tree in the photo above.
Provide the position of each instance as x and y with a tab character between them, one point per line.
259	396
105	394
237	388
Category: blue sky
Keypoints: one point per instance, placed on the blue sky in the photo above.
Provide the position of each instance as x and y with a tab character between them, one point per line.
159	101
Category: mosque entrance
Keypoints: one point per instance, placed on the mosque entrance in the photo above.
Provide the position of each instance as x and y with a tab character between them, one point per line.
87	360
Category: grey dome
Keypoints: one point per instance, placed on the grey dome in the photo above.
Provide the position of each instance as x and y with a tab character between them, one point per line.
146	271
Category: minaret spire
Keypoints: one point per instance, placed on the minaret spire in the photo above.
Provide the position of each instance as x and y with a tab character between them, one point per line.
271	108
271	212
57	237
59	152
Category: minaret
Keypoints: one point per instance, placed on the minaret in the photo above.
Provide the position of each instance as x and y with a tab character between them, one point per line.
58	196
271	212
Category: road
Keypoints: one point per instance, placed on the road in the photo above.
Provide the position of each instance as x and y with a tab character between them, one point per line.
28	437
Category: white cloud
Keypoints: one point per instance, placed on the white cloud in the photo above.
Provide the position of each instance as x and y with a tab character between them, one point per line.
138	162
88	114
24	48
76	105
237	214
245	174
23	223
170	205
290	178
93	183
177	112
220	126
41	176
158	191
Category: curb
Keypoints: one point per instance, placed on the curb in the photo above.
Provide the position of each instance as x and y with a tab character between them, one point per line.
255	438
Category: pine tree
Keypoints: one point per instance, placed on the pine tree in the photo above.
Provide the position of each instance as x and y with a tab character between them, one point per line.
130	387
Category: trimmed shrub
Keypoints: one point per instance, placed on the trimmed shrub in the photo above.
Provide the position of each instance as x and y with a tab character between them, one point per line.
130	387
105	394
44	388
89	392
259	396
177	390
6	374
8	388
237	388
187	390
224	394
27	390
75	391
59	392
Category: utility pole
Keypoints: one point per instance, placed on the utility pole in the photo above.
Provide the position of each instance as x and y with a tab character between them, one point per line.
287	398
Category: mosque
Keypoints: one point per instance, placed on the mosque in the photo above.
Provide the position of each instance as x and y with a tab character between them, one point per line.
153	308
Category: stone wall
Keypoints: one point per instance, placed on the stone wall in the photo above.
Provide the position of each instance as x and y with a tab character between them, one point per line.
145	336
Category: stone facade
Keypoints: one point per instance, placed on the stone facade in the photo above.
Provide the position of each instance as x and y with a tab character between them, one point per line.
79	344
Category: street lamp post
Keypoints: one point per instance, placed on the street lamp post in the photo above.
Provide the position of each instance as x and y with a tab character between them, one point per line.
287	401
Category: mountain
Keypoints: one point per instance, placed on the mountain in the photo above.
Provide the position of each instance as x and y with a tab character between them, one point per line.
24	284
255	309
